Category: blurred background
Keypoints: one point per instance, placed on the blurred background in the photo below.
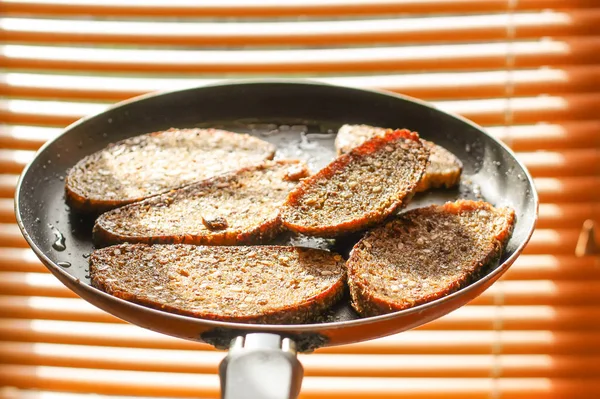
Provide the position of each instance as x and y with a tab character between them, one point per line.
527	70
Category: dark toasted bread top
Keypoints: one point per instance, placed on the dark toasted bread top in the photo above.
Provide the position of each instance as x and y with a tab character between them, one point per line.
428	252
441	161
230	203
360	188
152	163
225	283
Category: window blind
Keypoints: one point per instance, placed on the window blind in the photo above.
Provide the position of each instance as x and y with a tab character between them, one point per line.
527	70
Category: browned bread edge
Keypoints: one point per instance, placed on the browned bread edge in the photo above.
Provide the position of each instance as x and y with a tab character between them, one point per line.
369	303
262	233
372	218
303	312
83	204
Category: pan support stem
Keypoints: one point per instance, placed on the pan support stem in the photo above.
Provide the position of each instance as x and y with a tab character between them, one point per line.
261	366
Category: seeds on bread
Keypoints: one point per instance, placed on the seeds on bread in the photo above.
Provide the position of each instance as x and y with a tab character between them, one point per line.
425	254
261	284
237	208
444	168
358	189
149	164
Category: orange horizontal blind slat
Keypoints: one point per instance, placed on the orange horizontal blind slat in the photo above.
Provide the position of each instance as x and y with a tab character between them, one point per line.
429	86
527	54
194	385
359	365
16	393
493	111
481	317
237	8
412	342
558	136
313	33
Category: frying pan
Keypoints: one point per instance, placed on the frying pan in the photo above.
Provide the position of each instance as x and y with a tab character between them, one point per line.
301	119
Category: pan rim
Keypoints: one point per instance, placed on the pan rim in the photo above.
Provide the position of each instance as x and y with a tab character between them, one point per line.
279	328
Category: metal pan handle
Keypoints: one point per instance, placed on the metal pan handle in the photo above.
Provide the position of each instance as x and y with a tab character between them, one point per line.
261	366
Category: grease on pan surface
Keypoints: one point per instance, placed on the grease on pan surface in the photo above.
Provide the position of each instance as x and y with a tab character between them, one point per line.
241	207
149	164
258	284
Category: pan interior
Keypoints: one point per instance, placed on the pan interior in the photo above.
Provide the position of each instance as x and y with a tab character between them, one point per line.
490	172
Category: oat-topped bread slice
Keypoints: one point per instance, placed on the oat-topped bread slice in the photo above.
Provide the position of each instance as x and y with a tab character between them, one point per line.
358	189
425	254
257	284
142	166
444	168
236	208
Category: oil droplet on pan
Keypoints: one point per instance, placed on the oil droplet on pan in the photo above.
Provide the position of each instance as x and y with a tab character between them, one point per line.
59	239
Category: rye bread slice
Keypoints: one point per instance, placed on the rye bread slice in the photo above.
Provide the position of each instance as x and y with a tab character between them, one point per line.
425	254
444	168
256	284
142	166
236	208
358	189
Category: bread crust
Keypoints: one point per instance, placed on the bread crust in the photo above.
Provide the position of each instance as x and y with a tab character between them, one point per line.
139	167
244	205
358	189
443	171
444	168
389	270
291	285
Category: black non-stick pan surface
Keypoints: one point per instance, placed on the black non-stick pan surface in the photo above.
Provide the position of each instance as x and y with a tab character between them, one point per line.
301	119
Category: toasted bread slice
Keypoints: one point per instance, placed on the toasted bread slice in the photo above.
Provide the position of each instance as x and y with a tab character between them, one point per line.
358	189
237	208
142	166
444	168
425	254
258	284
